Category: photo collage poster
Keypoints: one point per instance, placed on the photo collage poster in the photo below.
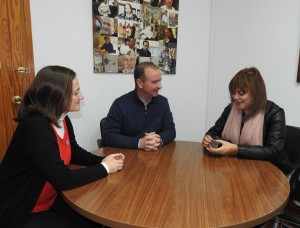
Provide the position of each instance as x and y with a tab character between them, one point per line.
126	33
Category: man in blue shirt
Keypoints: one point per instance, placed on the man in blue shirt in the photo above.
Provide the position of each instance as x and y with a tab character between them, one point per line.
107	46
141	119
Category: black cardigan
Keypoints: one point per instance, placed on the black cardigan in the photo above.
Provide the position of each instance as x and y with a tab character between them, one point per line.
274	132
33	158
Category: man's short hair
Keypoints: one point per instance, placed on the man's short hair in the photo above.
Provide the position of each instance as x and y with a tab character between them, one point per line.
145	41
139	71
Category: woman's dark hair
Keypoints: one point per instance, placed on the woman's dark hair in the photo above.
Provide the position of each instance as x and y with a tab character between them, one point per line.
50	94
170	31
249	80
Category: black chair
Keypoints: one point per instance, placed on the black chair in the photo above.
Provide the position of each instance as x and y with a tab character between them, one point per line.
290	216
102	124
292	145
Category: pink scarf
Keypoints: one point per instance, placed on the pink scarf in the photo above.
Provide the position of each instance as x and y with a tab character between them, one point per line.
252	132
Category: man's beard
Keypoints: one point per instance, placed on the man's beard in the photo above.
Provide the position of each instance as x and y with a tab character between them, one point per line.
105	32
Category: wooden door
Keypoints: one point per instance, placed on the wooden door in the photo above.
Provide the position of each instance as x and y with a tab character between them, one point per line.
16	63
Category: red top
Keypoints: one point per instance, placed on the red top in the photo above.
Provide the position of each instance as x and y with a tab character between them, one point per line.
49	193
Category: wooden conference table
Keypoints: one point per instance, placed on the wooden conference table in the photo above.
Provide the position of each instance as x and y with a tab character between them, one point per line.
181	185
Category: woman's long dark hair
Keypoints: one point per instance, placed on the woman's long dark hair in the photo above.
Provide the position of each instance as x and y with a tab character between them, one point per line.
250	80
49	94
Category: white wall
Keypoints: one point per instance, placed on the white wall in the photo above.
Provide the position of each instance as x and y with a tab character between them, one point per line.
265	34
216	39
62	34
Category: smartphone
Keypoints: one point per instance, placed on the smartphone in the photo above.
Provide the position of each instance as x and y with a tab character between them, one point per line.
214	144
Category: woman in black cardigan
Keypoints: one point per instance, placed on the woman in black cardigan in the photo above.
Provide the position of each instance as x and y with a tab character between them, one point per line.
35	167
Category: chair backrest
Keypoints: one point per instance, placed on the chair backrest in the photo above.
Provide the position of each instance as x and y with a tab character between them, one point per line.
292	145
102	125
292	148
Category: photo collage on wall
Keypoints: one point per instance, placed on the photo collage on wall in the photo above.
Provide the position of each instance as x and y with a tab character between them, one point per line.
126	33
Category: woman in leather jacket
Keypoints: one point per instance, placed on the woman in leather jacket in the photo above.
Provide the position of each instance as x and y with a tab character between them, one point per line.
251	126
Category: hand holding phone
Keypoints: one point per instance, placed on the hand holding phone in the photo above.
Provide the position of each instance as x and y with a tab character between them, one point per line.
214	144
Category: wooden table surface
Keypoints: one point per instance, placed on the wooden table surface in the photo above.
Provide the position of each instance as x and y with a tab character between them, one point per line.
180	185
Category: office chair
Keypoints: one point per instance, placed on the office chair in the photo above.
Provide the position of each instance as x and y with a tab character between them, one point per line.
102	125
290	216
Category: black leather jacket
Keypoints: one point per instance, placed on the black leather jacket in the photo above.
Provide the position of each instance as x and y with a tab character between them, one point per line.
274	133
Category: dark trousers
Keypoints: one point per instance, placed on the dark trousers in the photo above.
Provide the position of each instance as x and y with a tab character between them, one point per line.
60	215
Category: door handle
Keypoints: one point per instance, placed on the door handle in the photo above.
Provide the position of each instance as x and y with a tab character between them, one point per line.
22	70
16	99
